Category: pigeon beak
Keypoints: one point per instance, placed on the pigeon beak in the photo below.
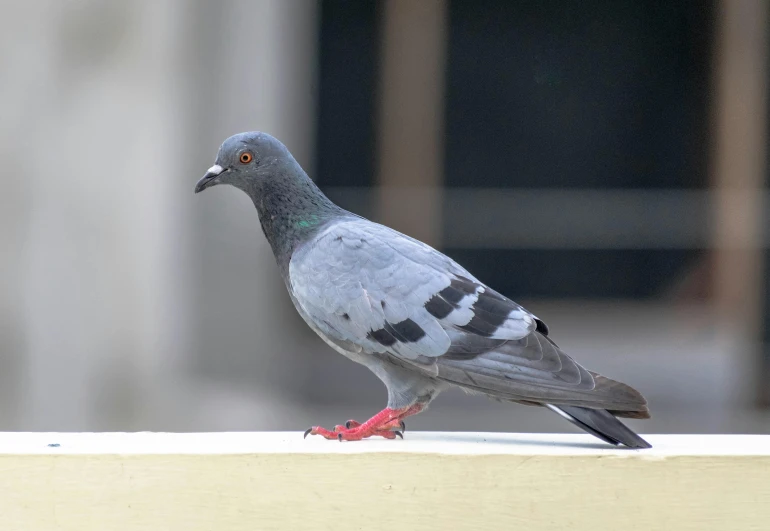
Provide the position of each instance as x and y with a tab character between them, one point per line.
210	179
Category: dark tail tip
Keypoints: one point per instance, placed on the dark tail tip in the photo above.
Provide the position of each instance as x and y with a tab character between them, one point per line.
602	424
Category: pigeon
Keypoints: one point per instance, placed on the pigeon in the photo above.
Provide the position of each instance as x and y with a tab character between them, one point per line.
416	318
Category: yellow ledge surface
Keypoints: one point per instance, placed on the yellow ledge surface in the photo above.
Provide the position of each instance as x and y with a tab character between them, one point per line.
441	481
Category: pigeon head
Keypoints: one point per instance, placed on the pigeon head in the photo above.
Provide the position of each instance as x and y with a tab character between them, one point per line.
291	208
246	159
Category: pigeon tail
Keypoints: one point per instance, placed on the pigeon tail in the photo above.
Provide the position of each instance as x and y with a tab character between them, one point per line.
602	424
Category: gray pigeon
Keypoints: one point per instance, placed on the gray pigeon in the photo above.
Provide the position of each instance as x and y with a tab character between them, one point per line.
413	316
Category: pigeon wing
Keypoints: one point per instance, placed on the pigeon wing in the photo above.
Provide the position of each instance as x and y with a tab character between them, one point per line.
365	284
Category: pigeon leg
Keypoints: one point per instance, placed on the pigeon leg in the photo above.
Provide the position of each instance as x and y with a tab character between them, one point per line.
382	425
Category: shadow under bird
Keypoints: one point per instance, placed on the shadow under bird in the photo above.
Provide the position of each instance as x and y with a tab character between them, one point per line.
415	317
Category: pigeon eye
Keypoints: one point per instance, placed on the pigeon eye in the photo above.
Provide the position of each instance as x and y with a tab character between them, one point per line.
246	157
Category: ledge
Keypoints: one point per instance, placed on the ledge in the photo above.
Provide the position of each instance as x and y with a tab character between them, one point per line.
443	481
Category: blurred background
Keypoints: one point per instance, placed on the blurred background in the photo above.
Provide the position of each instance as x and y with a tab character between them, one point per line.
602	162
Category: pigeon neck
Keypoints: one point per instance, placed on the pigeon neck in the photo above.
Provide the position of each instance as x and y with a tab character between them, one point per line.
292	209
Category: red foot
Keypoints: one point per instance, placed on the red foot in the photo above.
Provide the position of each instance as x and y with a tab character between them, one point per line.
385	424
395	424
351	435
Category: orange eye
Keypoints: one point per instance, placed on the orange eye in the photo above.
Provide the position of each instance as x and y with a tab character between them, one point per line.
246	157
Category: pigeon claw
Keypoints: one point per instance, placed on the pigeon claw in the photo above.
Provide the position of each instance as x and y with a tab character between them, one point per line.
341	433
323	432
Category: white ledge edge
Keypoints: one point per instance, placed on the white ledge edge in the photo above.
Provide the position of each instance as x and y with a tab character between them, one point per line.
452	443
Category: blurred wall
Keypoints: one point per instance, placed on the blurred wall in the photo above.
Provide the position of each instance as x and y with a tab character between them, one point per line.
115	276
89	142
